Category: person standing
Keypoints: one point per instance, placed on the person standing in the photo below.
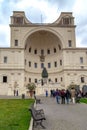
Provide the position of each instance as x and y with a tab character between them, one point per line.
73	95
57	94
67	95
63	96
46	93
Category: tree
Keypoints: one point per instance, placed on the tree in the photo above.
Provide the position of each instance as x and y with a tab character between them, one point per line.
31	87
74	86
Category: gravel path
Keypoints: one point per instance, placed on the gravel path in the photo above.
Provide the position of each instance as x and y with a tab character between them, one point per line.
63	116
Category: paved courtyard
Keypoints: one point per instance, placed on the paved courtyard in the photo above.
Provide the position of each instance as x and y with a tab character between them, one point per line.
63	116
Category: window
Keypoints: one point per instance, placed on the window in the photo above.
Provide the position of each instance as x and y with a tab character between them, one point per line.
35	51
18	20
42	52
49	80
59	47
29	49
69	43
4	79
60	62
81	60
54	50
29	63
42	65
25	47
16	42
30	80
55	64
35	80
5	59
35	65
48	51
61	79
49	65
55	80
82	80
25	61
66	21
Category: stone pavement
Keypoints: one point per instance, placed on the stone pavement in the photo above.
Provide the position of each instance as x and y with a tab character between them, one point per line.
63	116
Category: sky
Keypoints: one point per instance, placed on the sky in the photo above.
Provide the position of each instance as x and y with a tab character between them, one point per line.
45	11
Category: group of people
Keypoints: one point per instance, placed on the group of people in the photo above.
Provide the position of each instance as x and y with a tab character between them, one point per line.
65	96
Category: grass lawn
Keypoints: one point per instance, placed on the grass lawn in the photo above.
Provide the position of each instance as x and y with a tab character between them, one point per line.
83	100
14	114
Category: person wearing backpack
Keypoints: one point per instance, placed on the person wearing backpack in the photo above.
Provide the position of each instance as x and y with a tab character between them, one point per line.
62	96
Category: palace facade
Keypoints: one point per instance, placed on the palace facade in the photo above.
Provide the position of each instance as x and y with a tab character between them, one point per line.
34	46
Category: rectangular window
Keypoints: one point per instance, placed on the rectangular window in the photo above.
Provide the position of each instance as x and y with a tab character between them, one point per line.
25	61
29	63
49	80
35	65
18	20
60	62
82	80
30	80
81	60
48	51
29	49
55	80
69	43
35	80
35	51
66	21
16	42
4	79
61	79
49	65
42	52
55	64
5	59
54	50
42	65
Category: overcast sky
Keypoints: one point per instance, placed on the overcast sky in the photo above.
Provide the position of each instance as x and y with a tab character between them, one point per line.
50	11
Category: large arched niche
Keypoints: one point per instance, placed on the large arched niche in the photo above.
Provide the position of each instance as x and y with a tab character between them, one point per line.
43	40
54	33
42	46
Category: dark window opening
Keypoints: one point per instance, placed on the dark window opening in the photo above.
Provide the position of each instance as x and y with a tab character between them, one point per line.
60	62
4	79
61	79
49	65
55	64
29	49
30	80
29	63
35	80
81	60
42	65
35	51
55	80
59	47
5	59
35	65
54	50
25	61
69	43
48	51
82	80
16	42
42	52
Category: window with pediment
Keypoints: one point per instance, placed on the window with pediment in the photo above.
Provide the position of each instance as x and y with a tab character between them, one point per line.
18	20
67	20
